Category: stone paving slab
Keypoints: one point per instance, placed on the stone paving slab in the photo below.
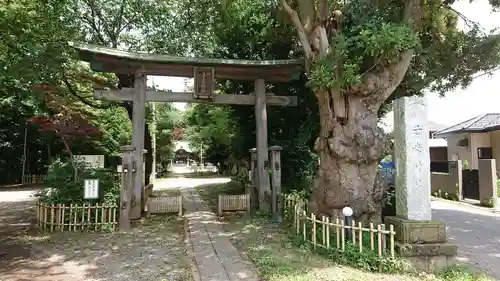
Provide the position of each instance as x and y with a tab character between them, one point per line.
216	257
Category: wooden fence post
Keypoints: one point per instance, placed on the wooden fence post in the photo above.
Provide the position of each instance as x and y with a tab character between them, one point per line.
219	206
248	202
179	198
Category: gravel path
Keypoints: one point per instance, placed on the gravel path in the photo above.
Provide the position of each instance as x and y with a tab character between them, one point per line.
154	250
20	260
475	231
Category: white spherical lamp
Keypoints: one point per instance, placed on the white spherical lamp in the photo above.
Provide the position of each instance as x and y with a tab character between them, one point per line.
347	211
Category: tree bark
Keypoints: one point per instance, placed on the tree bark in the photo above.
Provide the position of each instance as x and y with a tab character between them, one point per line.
349	151
71	157
350	144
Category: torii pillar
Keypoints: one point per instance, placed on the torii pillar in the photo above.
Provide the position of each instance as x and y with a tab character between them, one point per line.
138	131
262	175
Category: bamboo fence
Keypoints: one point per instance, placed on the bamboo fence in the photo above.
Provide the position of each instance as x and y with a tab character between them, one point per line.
332	233
74	217
233	203
165	204
33	179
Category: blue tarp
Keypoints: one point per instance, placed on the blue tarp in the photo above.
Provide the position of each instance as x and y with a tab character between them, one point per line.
388	165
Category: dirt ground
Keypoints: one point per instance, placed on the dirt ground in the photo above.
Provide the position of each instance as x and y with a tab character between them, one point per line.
154	250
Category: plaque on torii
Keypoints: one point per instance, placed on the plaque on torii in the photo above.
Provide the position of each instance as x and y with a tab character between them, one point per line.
203	83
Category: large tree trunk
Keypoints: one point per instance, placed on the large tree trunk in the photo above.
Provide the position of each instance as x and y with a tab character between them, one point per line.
350	143
349	148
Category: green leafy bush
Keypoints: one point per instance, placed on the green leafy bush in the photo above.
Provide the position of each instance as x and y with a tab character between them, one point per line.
498	187
61	188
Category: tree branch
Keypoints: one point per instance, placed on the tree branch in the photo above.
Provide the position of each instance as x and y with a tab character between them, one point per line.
304	40
96	11
322	10
470	23
489	72
94	27
119	20
307	15
80	98
413	13
382	81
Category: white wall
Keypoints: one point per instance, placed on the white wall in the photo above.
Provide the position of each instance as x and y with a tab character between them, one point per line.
468	153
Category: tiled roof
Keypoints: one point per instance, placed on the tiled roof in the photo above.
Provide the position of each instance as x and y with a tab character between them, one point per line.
482	123
433	126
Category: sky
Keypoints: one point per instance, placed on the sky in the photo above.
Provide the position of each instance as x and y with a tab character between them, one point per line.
482	96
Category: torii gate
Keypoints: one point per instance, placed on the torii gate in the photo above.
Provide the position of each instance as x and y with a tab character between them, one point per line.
204	72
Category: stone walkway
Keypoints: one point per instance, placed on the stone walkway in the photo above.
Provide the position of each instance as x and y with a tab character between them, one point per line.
216	258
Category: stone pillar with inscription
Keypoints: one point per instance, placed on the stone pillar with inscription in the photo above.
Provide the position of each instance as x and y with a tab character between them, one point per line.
418	238
275	151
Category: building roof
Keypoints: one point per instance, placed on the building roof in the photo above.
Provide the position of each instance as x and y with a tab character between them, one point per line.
105	59
480	124
184	145
433	126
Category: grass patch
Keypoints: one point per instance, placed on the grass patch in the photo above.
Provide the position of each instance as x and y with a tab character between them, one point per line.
278	257
210	192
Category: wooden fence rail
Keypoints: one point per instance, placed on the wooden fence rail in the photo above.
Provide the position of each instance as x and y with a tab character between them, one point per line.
332	233
233	203
73	217
290	200
33	179
165	204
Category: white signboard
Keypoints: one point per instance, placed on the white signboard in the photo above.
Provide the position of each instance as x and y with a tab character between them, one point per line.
91	189
93	161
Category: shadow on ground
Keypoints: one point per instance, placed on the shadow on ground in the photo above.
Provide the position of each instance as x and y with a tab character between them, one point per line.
476	232
153	250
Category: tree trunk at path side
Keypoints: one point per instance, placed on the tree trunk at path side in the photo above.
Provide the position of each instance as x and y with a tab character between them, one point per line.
350	144
349	149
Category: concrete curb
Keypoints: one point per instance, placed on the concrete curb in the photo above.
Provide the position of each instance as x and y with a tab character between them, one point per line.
491	210
189	252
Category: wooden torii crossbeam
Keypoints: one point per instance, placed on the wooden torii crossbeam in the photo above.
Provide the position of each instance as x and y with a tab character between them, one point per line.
205	72
127	94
